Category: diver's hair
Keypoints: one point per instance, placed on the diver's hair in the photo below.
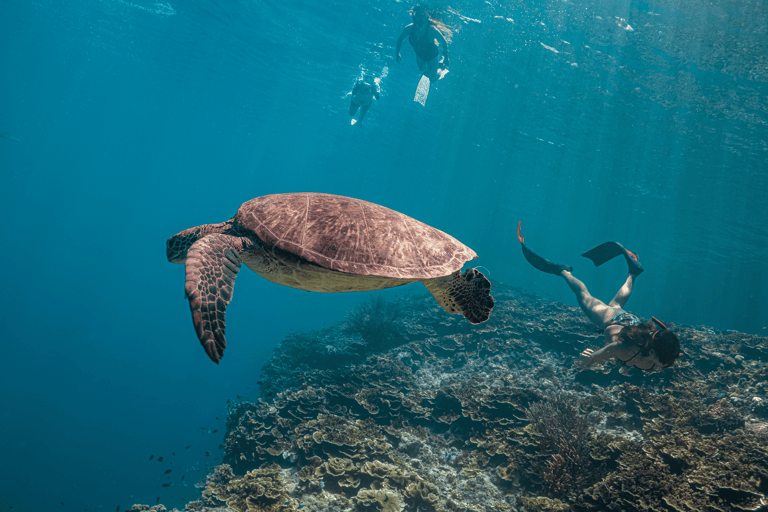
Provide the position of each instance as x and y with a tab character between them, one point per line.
437	23
667	347
665	344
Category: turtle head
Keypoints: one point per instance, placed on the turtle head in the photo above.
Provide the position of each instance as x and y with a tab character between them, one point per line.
176	247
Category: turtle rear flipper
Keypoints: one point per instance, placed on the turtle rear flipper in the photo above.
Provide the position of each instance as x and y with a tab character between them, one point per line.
468	294
211	267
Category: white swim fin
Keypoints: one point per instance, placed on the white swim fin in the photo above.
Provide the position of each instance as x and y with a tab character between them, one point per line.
422	91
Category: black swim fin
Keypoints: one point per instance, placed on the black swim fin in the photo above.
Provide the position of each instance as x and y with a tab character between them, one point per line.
609	250
537	261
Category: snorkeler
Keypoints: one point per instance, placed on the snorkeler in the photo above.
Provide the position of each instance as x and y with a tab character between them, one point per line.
363	93
424	34
644	345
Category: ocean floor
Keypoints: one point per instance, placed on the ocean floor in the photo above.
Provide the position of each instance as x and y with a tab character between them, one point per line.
404	407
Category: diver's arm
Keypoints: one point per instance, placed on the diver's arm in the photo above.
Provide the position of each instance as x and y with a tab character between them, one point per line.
406	33
441	39
591	357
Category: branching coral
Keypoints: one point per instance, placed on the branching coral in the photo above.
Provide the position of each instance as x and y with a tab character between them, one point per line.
562	469
563	442
376	320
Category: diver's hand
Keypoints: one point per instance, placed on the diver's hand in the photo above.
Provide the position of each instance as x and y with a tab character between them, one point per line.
585	360
397	57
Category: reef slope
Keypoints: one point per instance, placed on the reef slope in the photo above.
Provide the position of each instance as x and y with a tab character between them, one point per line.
404	407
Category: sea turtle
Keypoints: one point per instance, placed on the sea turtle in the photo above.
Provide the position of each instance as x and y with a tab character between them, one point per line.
322	243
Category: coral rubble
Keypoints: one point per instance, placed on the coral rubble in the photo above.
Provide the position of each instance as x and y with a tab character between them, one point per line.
402	407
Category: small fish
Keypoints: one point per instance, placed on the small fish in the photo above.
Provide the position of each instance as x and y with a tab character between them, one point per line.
221	447
182	476
217	418
207	454
62	502
188	447
151	457
10	137
117	509
159	459
168	471
173	453
259	382
215	431
157	500
166	485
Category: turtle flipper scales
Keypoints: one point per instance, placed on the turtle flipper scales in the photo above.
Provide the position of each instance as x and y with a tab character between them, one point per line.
211	267
468	294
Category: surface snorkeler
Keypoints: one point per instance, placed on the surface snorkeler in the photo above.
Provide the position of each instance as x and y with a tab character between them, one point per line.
363	93
425	34
644	345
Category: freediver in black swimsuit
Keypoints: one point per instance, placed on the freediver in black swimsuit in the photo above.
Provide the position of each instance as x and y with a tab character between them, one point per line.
424	35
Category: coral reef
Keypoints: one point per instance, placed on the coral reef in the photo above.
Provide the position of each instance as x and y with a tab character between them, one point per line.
564	435
375	320
402	407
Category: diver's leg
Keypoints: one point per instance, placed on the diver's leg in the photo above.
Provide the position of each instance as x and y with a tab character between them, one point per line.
422	65
353	107
432	69
595	309
622	296
363	111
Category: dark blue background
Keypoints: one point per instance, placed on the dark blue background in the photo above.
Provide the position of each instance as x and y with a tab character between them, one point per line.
139	119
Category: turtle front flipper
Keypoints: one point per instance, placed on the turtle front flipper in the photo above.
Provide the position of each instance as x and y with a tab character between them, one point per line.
212	265
468	294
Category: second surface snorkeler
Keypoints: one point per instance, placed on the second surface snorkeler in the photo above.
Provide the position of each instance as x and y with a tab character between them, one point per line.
363	93
645	345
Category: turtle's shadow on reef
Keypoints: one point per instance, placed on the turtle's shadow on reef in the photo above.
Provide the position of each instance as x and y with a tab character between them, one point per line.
404	407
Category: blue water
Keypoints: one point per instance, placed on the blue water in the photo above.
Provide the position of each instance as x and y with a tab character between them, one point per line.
137	119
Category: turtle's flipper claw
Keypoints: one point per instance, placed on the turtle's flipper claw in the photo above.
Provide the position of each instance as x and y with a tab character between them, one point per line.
211	267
